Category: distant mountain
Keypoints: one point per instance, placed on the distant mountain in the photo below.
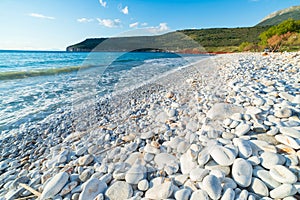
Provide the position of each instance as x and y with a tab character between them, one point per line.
280	16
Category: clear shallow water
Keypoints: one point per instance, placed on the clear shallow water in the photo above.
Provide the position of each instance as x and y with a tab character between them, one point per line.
34	85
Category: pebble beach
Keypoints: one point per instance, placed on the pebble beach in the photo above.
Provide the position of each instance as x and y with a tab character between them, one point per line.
226	127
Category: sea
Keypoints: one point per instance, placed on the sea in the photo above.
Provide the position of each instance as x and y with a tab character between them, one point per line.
36	84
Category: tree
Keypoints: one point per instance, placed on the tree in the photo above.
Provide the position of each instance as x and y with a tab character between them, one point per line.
284	27
276	41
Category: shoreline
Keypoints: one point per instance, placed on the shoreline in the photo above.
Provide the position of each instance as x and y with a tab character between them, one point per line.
157	136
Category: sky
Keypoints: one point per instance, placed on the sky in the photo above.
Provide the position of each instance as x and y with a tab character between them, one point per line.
56	24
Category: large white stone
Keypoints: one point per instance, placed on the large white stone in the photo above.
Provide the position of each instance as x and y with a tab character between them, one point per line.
269	159
244	147
242	129
187	162
259	187
136	173
222	155
92	188
242	172
160	191
54	186
283	191
212	185
283	174
287	140
292	132
265	176
163	159
119	190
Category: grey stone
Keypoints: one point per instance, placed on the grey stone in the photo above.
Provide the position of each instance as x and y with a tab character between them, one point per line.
160	191
119	190
92	188
54	186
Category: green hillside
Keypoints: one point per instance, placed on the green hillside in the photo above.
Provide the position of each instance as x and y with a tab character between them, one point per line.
204	40
280	16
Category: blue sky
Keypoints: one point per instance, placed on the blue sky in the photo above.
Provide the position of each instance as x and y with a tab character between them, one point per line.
55	24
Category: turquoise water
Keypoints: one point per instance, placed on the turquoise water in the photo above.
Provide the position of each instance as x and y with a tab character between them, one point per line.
36	84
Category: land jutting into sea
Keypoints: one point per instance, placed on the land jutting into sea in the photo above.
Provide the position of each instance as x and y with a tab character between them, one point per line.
227	127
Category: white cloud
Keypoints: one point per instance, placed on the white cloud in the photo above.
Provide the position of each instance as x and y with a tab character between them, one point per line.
144	24
125	10
84	20
109	22
40	16
103	3
134	25
162	27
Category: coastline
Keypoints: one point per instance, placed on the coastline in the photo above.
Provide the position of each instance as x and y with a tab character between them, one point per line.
156	136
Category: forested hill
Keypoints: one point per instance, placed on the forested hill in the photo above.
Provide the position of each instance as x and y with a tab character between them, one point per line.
215	39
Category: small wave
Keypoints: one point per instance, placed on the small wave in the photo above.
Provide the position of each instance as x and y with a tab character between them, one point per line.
9	75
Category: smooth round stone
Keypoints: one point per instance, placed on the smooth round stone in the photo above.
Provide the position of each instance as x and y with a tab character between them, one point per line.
283	113
290	132
85	160
92	188
212	185
183	194
163	159
269	159
283	174
148	157
254	160
199	195
198	174
119	190
243	195
242	172
287	140
160	191
135	174
143	185
147	135
283	191
242	129
222	156
54	186
282	148
151	149
229	194
265	176
244	147
259	187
